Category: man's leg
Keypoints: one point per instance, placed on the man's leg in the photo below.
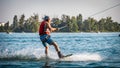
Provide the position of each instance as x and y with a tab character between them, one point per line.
58	50
51	42
56	46
46	50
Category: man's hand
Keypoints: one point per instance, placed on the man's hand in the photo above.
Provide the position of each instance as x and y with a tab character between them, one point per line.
57	29
54	29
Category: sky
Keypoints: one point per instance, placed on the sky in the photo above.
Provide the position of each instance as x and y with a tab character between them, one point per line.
56	8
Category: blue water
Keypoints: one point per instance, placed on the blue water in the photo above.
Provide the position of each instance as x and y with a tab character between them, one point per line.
24	50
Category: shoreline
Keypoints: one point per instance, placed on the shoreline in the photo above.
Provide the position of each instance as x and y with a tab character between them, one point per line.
62	32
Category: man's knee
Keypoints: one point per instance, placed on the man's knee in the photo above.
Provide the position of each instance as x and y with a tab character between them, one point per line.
54	44
46	47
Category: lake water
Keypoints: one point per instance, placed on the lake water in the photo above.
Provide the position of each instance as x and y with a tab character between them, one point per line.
25	50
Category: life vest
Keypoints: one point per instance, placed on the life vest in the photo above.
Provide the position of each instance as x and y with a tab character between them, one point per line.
43	29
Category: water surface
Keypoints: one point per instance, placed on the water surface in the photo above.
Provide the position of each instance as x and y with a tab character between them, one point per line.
88	49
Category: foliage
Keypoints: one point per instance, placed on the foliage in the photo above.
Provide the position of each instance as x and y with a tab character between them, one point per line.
73	24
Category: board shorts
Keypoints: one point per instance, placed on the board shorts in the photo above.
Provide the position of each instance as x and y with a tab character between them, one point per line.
46	39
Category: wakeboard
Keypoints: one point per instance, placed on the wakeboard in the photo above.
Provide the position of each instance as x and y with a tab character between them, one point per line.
68	55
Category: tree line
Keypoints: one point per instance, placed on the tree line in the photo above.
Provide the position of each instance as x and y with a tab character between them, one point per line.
22	25
70	24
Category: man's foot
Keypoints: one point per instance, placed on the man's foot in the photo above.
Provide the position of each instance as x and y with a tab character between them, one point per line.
60	55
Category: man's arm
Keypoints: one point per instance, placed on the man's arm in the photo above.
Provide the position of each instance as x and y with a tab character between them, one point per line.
51	28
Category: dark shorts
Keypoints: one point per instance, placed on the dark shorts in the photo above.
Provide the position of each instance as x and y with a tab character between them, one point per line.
46	39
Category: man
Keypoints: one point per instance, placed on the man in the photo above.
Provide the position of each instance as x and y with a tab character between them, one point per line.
44	31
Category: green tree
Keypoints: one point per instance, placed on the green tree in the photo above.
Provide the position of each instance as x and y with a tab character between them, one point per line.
79	22
2	28
6	26
86	26
55	22
101	25
74	24
35	23
67	21
108	24
15	22
21	23
92	24
32	24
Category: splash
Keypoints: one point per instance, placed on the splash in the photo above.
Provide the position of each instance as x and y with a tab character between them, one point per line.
30	53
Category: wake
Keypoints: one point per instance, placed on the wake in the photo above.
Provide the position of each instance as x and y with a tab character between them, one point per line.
37	54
